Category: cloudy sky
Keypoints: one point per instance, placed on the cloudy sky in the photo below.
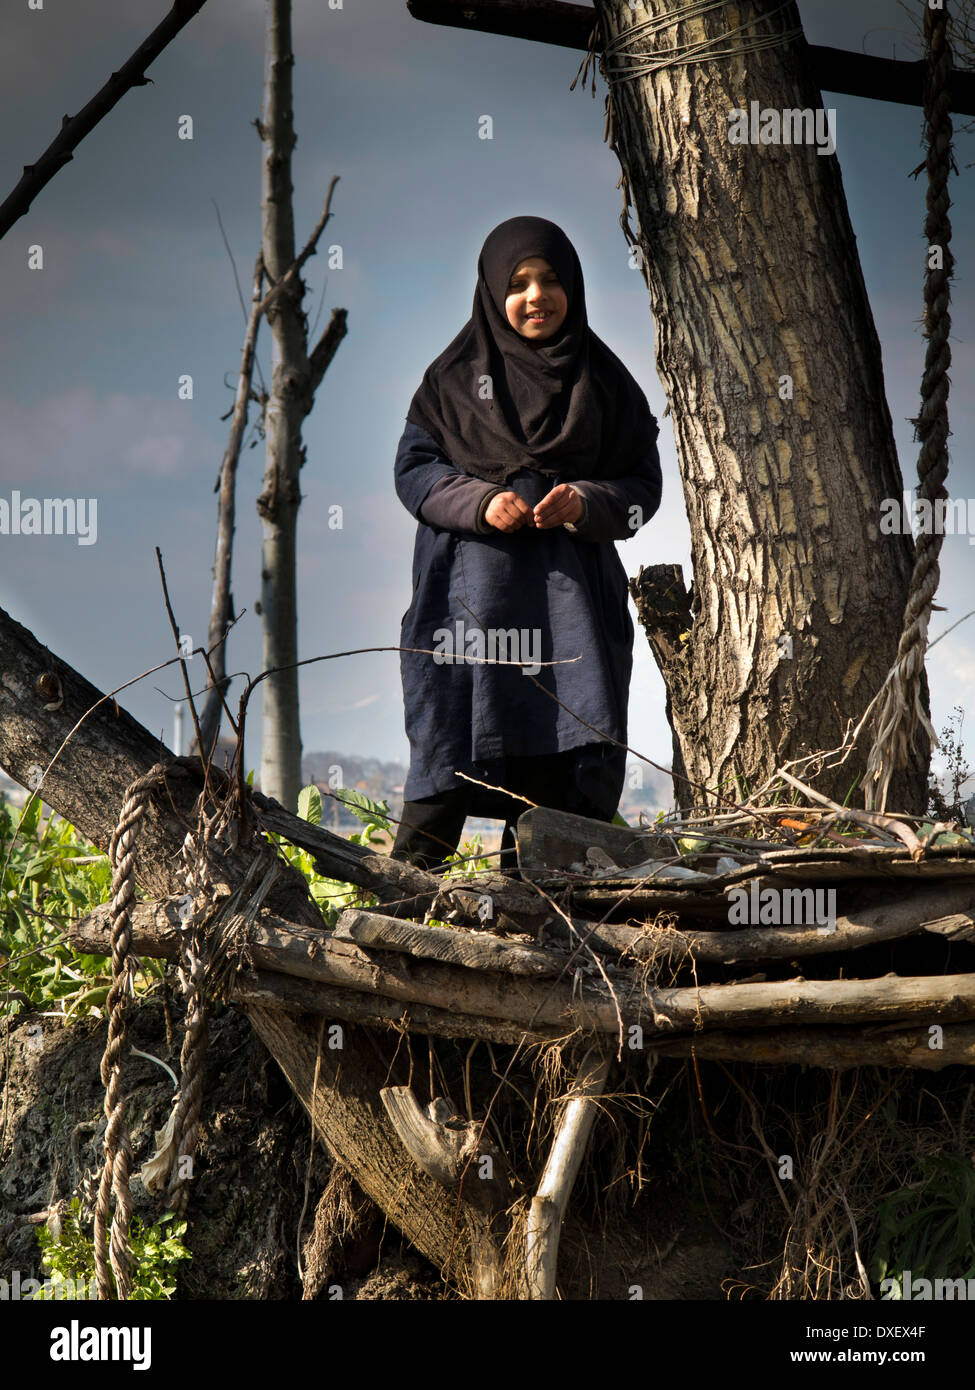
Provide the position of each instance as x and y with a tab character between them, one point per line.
137	290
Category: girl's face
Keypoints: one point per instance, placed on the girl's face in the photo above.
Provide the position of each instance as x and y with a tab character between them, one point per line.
536	304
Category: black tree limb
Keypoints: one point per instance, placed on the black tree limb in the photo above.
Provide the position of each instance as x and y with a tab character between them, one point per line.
74	128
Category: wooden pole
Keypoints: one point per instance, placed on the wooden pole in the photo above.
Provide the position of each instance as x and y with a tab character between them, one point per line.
547	1210
569	26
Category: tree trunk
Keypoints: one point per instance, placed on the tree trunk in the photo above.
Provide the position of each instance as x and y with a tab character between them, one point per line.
286	409
296	375
768	353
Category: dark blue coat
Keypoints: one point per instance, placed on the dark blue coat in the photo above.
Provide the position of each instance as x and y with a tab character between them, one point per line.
564	588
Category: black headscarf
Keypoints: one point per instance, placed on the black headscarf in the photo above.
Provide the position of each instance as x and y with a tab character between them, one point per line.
563	405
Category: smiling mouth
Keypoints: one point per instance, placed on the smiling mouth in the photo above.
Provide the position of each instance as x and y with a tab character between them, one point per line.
539	317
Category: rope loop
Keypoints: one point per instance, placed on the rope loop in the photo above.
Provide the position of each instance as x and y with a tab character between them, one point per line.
640	64
116	1258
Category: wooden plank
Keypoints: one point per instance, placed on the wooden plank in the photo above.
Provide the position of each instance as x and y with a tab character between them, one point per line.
830	1048
296	996
547	1211
455	946
941	908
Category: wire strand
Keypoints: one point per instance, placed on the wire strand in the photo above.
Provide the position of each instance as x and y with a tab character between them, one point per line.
703	50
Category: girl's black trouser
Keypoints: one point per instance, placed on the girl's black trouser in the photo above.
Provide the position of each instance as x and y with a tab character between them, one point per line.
586	781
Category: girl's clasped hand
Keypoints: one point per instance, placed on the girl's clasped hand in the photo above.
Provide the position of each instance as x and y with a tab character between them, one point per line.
508	512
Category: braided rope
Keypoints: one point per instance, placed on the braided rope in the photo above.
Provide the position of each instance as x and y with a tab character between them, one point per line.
189	1104
117	1146
213	950
218	931
189	1100
900	710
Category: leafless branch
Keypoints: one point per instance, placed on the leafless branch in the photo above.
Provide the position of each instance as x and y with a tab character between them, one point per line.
74	128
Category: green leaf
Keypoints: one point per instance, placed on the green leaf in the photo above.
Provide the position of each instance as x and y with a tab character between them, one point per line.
948	839
93	998
38	865
29	817
369	811
310	805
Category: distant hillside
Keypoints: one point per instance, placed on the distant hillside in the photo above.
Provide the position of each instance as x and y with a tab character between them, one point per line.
331	770
383	781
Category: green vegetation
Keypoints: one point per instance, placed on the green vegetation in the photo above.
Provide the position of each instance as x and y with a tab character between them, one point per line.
50	875
68	1256
928	1227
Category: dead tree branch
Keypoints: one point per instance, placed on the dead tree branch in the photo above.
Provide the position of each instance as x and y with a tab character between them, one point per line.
74	128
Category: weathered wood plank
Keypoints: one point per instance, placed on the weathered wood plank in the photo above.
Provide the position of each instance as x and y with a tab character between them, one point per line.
830	1048
297	996
474	950
549	840
543	1227
940	908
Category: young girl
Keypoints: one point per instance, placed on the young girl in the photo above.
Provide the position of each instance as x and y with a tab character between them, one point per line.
528	450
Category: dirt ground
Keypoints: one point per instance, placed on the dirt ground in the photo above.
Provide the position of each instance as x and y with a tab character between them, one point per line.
249	1200
253	1162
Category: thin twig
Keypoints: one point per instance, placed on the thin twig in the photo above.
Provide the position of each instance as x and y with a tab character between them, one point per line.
182	661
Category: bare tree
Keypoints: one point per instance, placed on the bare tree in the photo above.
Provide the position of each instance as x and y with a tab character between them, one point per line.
295	377
221	603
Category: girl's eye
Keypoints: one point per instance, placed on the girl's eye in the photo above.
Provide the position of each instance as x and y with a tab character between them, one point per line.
517	285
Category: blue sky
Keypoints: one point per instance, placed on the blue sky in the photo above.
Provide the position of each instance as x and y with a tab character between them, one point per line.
137	290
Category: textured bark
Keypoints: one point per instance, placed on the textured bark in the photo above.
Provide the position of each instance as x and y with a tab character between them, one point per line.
357	1131
286	409
752	268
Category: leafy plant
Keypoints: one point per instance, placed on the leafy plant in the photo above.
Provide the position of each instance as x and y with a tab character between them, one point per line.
928	1227
332	895
468	859
49	875
69	1256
